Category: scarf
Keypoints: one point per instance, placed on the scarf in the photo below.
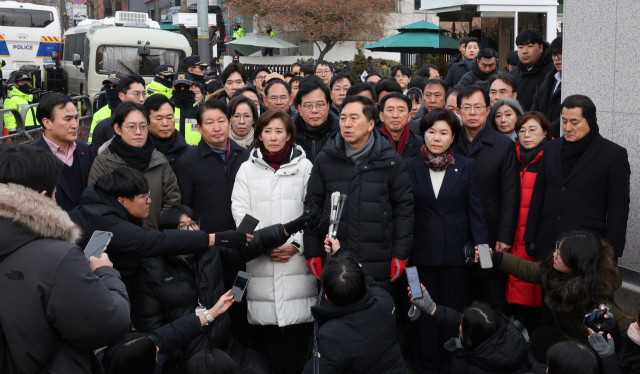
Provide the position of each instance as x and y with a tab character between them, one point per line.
572	151
406	133
316	133
243	141
164	145
164	82
184	96
527	155
632	333
357	155
113	99
437	163
276	159
137	158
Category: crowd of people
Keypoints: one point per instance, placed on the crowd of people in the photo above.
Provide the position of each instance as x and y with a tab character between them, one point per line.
431	168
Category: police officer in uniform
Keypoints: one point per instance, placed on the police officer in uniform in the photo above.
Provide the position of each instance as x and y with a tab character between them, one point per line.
238	32
194	66
163	81
186	107
20	94
113	99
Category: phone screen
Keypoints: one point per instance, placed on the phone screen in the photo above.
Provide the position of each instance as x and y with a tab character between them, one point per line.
241	282
239	286
594	319
414	282
97	244
248	224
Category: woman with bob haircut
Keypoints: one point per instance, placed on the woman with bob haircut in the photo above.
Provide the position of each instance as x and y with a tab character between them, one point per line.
271	187
503	116
244	115
448	214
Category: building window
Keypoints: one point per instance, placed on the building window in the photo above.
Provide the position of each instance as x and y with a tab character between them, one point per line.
417	4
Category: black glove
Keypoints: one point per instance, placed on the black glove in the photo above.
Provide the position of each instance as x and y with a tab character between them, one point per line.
530	248
231	239
297	224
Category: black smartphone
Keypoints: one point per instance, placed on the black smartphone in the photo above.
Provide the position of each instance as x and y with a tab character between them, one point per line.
414	282
240	285
248	224
484	254
593	319
97	244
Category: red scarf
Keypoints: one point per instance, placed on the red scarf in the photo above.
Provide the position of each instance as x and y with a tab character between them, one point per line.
403	139
275	159
437	163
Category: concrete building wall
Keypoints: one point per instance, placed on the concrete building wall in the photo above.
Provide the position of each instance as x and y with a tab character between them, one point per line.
600	61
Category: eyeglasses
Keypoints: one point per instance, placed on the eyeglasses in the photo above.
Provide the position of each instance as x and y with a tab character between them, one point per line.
401	77
246	117
557	55
323	72
275	99
297	73
259	79
133	128
146	197
477	108
195	225
138	94
523	132
318	106
238	82
340	89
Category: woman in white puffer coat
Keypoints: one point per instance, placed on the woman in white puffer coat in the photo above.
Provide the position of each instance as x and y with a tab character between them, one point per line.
271	187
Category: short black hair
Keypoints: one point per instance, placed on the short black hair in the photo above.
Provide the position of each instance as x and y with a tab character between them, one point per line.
123	182
387	85
556	46
439	82
30	166
323	63
529	36
418	82
441	114
234	68
425	70
211	105
472	40
403	69
512	58
295	78
584	102
199	85
214	86
508	79
135	353
574	357
368	107
372	75
487	53
155	102
49	103
138	78
415	94
125	84
469	91
309	84
463	41
396	95
479	323
255	74
295	64
361	87
343	280
273	82
214	361
125	108
170	217
308	70
340	76
451	91
289	75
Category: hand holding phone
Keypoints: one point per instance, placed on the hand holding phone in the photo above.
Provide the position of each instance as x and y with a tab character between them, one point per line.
594	319
97	244
240	285
414	282
248	224
484	255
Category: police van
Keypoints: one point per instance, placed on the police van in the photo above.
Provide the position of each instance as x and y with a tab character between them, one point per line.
28	35
130	43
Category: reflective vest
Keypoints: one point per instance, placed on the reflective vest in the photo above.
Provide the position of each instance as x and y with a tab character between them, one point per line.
239	33
187	126
272	34
98	116
158	88
15	99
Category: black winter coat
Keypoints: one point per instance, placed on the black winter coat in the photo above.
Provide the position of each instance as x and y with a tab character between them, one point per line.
504	352
530	81
457	71
594	197
475	74
377	223
412	146
167	289
549	102
497	166
102	133
358	338
130	242
454	59
178	148
312	145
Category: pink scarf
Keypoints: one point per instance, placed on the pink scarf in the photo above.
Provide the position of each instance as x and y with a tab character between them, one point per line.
437	163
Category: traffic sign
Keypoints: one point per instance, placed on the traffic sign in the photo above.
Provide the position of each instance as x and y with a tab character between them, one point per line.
79	2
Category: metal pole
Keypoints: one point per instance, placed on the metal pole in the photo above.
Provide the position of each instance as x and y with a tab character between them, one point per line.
203	31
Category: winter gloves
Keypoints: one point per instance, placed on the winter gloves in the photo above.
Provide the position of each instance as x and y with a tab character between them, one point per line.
424	303
603	347
231	239
296	225
397	268
315	266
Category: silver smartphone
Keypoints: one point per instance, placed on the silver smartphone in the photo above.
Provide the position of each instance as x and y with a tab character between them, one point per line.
97	244
484	254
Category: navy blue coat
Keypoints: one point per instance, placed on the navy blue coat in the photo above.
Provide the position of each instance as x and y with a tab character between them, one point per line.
444	225
85	156
457	71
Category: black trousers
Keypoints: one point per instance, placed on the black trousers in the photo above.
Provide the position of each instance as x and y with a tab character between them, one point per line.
542	339
286	347
447	286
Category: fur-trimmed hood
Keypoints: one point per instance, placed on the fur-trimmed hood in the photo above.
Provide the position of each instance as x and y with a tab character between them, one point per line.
37	213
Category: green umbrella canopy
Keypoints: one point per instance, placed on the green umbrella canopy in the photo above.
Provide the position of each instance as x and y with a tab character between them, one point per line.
253	43
419	37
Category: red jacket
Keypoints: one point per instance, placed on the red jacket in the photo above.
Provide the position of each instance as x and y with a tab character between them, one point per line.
519	291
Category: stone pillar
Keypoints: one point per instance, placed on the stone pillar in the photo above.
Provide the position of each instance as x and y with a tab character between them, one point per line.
600	59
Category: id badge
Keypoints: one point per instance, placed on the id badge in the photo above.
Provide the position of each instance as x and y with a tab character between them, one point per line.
193	127
200	310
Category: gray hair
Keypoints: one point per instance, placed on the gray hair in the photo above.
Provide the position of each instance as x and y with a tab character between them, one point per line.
513	103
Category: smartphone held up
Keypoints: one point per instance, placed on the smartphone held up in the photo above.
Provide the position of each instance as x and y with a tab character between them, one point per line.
97	244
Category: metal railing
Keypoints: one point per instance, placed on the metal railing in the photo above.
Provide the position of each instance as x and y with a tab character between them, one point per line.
86	115
274	68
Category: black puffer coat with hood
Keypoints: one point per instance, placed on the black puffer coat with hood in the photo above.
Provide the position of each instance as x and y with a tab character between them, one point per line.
530	81
475	74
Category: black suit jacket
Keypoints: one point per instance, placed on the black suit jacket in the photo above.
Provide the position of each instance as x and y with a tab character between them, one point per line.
82	154
496	164
443	225
594	197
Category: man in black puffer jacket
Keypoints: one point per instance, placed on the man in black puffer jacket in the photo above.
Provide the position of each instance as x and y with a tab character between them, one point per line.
547	100
535	64
484	65
377	221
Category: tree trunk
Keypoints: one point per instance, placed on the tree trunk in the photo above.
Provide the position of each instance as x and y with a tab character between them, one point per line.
156	10
64	17
327	47
113	7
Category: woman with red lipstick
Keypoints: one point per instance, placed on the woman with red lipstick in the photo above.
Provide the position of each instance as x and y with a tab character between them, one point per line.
271	187
448	213
534	130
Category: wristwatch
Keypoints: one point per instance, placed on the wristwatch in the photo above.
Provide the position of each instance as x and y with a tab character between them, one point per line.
208	316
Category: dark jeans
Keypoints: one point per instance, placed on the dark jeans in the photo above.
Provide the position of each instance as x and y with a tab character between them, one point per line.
542	339
447	286
286	347
488	289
